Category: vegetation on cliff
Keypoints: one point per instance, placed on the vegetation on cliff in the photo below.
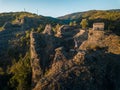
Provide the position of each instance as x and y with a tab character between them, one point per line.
93	63
21	73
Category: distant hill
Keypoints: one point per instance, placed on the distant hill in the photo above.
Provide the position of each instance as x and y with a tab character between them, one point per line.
88	14
111	18
12	16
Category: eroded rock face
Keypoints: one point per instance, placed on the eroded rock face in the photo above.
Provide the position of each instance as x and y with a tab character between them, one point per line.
86	71
42	53
81	69
35	57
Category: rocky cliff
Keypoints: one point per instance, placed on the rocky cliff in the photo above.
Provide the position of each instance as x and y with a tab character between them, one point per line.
83	68
100	39
42	52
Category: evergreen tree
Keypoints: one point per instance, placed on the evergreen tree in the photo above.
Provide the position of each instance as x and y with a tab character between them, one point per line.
84	23
21	71
71	24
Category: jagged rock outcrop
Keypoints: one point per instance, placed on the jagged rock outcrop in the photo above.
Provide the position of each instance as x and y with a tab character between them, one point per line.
48	30
35	59
42	53
81	69
86	71
56	74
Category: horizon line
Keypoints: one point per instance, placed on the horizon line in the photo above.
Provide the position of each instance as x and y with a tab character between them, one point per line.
3	12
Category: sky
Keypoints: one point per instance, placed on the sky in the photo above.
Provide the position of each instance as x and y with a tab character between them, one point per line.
57	8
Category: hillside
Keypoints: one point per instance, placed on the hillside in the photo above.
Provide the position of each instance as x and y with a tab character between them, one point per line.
89	14
45	53
111	18
15	28
14	16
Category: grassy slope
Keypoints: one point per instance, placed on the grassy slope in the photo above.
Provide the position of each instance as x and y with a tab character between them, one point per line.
111	18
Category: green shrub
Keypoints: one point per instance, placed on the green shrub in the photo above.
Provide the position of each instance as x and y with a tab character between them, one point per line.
17	35
21	71
27	34
1	28
40	28
1	71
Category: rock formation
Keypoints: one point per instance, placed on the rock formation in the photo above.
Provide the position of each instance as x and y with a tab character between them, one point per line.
35	58
87	68
42	53
48	30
